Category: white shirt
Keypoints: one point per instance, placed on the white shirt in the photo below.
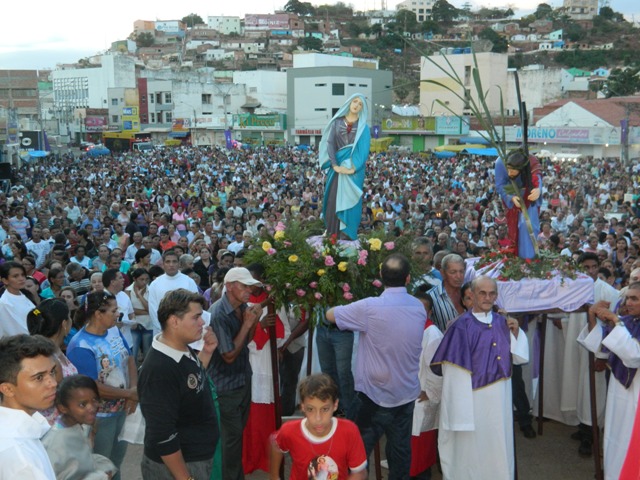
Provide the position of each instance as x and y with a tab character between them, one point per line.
160	286
13	314
22	455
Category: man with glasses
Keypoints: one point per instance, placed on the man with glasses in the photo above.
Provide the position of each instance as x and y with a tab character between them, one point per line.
474	359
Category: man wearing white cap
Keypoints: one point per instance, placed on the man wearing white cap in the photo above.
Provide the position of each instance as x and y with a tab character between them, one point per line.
233	323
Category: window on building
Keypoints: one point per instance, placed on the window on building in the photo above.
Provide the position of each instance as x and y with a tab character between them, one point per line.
114	101
158	98
168	117
167	97
144	118
334	111
152	98
352	84
115	119
337	88
152	118
320	109
206	99
363	85
320	85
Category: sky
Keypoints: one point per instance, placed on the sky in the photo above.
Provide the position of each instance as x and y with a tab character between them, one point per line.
38	34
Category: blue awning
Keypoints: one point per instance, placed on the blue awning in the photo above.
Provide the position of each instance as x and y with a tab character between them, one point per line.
476	140
486	152
445	154
178	134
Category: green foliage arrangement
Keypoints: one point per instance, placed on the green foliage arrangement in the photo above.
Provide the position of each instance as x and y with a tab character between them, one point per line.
546	265
306	271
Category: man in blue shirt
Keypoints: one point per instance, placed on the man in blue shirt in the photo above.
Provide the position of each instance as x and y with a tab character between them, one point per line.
391	328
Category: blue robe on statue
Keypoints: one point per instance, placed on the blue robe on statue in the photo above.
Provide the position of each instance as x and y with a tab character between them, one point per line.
347	188
524	243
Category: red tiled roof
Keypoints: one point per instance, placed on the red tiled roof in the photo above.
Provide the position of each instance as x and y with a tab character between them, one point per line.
611	110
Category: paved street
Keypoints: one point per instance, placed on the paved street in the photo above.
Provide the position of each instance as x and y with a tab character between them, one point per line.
554	456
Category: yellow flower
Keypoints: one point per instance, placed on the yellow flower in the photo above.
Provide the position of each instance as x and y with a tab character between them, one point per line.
266	246
376	244
320	272
293	258
342	266
279	235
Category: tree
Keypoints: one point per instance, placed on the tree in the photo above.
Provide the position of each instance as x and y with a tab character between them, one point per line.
500	44
406	20
339	10
192	20
443	12
145	39
376	29
299	8
622	82
430	26
311	43
574	32
606	13
543	11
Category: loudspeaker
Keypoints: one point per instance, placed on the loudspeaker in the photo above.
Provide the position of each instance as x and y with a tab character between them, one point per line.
5	171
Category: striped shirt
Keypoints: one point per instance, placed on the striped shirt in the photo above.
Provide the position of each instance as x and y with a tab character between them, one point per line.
443	309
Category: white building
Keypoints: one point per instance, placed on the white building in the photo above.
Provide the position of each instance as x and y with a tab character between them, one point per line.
493	75
171	27
581	9
422	8
310	59
87	87
538	86
317	89
224	24
266	90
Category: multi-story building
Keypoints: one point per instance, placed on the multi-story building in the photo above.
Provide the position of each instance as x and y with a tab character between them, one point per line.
225	25
422	8
318	85
581	9
76	89
261	25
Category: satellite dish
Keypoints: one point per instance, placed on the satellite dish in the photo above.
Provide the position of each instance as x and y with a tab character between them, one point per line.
482	45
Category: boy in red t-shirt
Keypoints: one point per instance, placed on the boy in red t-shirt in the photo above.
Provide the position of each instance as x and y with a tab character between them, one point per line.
321	446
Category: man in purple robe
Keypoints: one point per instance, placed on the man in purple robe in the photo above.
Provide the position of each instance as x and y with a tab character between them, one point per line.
476	413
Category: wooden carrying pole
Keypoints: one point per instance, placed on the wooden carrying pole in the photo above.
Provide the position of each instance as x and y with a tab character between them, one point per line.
273	345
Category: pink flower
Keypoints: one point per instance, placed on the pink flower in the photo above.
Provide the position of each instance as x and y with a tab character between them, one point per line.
348	296
363	254
346	287
313	284
389	245
268	288
362	261
280	227
271	251
286	243
328	261
300	292
317	295
376	283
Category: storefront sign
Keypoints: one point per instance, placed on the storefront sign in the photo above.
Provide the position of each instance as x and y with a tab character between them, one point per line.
259	122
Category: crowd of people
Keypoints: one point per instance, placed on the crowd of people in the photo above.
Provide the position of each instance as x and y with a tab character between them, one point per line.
122	263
